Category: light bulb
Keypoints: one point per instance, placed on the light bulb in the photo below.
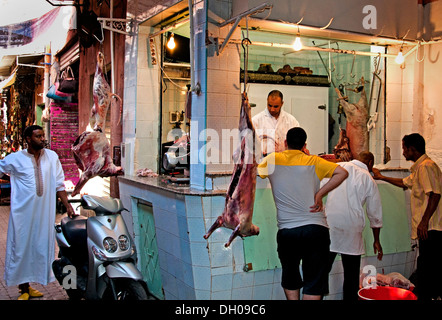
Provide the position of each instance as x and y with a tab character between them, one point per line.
400	58
297	45
171	42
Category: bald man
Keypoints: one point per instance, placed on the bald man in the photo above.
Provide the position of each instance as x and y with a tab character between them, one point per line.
346	219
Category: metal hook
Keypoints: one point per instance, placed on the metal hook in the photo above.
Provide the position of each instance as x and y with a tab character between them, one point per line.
353	64
338	76
376	63
245	41
331	60
334	66
328	25
297	23
417	53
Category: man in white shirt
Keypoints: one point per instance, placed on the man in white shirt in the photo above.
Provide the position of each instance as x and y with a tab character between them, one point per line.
37	179
272	124
346	219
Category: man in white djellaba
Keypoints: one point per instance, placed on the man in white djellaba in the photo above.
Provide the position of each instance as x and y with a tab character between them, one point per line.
37	179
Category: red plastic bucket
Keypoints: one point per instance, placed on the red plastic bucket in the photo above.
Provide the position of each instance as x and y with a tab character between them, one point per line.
386	293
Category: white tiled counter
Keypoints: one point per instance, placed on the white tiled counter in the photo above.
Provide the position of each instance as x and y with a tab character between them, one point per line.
190	267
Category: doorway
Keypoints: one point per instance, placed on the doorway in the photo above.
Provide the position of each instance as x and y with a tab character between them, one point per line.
147	245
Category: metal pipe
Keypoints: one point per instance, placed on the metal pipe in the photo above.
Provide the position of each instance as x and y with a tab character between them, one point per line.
332	50
112	47
261	7
271	25
46	84
304	48
191	42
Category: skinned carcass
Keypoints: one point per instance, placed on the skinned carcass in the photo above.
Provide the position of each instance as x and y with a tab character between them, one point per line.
102	95
92	153
240	197
342	148
357	118
91	150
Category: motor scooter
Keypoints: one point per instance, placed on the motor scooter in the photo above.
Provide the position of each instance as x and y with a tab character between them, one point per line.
97	256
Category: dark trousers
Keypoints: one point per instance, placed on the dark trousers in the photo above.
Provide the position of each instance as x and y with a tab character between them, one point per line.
351	265
429	267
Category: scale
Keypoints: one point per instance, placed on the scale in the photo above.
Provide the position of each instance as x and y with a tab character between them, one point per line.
176	161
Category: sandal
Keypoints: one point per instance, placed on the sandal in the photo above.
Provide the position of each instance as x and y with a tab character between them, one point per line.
24	296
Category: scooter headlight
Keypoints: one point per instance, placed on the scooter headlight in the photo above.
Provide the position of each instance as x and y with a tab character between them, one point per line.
110	244
124	242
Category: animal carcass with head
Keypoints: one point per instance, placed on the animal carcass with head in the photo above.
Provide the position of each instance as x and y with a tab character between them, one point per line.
240	197
357	118
102	95
92	153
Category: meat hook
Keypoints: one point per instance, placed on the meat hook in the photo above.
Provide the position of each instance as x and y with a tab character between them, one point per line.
353	64
245	45
338	76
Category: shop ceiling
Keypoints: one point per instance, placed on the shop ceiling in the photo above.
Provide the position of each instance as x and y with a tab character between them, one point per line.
175	19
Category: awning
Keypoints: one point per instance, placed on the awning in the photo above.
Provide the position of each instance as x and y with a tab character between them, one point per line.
30	37
70	56
9	81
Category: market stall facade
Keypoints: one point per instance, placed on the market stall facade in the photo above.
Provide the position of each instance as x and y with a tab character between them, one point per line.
170	218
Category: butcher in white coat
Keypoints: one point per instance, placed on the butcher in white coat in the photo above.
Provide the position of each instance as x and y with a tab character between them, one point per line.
345	214
271	124
37	179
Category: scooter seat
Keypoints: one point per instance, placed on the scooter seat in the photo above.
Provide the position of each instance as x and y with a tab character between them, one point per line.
74	229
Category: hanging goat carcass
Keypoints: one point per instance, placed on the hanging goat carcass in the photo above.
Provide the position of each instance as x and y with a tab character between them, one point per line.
91	150
240	197
92	153
102	95
342	148
357	118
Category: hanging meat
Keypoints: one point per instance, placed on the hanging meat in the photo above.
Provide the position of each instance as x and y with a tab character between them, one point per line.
92	153
102	95
357	118
240	197
342	148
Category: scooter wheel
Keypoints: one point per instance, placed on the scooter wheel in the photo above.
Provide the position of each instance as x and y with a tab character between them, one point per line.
125	289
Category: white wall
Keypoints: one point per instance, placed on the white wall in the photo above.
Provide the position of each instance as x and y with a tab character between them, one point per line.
141	103
413	102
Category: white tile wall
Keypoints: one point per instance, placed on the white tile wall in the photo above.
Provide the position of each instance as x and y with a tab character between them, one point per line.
402	99
141	100
195	268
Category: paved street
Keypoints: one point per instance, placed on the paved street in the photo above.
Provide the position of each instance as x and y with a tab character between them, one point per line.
53	291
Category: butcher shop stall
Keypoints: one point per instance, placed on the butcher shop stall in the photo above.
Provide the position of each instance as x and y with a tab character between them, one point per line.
182	111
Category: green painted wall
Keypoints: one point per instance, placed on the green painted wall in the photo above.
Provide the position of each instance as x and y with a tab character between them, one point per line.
260	251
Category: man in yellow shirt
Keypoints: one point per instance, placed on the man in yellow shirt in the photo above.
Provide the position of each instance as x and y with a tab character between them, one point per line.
302	227
425	182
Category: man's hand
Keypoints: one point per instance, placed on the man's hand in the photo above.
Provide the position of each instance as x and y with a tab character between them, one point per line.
64	199
378	249
422	229
70	211
376	174
318	206
433	202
